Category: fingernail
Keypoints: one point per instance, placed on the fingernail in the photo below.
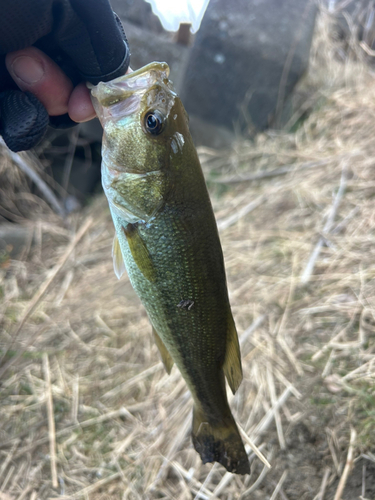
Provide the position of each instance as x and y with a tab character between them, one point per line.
28	69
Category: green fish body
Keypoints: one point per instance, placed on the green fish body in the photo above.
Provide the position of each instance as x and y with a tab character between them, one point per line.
167	240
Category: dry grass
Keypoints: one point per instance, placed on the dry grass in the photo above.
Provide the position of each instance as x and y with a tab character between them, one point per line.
85	401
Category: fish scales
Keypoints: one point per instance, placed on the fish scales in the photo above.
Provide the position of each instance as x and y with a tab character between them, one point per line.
189	334
167	238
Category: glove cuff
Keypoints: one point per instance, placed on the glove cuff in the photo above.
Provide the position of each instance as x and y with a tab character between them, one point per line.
24	119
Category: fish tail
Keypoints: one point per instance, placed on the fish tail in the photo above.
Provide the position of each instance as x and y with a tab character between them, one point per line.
219	441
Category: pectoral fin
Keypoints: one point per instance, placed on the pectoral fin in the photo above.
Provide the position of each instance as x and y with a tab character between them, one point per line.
118	261
232	363
140	252
165	356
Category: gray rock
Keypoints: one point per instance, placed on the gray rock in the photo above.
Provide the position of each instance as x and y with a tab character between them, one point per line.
247	57
206	133
138	12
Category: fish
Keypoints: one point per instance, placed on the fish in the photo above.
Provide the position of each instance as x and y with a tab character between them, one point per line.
167	240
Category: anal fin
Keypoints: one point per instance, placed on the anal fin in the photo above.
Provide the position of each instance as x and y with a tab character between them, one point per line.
165	356
232	364
139	251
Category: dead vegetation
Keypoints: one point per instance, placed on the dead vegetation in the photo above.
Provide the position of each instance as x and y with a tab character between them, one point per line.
87	410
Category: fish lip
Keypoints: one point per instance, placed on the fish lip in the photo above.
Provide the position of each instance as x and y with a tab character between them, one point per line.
153	67
136	81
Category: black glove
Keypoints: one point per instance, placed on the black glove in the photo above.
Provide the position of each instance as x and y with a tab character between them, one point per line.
84	37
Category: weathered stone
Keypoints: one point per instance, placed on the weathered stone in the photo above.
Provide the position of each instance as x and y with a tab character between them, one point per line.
138	12
247	57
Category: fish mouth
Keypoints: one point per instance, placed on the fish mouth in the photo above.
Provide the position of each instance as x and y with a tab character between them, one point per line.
137	82
146	76
122	96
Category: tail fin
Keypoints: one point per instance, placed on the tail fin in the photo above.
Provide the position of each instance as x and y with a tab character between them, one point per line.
219	442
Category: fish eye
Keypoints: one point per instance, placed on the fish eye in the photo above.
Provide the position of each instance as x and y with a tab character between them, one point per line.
154	122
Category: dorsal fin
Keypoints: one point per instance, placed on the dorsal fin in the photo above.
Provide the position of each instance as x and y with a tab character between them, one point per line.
165	356
232	363
118	260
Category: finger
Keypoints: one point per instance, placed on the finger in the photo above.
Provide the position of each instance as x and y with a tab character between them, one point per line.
35	72
80	108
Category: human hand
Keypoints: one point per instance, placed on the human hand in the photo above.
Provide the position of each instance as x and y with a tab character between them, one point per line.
33	71
82	41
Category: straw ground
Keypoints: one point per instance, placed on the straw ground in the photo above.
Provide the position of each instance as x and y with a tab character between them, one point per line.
87	410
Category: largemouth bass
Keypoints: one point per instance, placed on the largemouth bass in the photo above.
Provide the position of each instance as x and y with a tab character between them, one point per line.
167	240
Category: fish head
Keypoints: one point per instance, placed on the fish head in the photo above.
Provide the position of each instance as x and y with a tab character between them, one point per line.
144	127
